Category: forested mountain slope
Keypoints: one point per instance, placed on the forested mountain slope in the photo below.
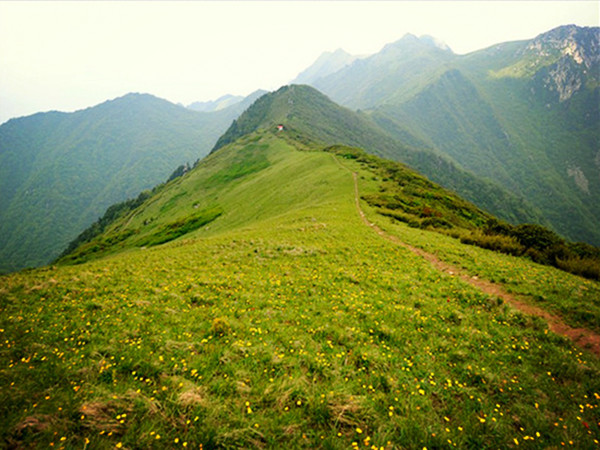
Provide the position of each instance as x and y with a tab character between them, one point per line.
524	114
60	171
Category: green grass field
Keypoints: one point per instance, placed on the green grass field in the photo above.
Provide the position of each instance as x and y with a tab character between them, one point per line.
286	322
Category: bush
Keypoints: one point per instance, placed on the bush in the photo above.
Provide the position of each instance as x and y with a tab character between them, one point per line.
495	242
584	250
536	236
585	267
540	245
436	222
397	215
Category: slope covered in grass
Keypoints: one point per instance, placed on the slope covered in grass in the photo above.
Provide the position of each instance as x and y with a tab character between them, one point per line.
284	322
60	171
311	118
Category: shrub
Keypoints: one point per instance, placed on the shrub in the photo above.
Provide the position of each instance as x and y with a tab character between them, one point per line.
436	222
495	242
584	250
494	226
536	236
585	267
540	245
397	215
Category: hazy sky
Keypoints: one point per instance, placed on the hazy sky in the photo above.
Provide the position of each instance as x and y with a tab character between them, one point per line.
70	55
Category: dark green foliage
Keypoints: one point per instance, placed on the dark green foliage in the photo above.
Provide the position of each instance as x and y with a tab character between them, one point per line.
112	213
59	172
586	267
496	242
536	237
178	228
540	244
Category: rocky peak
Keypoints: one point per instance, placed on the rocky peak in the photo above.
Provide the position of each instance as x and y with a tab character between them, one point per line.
580	44
564	58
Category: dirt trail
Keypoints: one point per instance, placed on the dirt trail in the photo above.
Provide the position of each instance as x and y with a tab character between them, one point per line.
582	337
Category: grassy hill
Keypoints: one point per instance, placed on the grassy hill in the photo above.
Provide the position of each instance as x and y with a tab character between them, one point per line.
524	115
59	171
286	321
311	117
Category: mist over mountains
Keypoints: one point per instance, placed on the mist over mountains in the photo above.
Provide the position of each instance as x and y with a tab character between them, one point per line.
513	128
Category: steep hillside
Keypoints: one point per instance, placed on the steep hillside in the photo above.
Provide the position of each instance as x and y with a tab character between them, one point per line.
59	171
307	114
210	194
281	318
523	114
546	97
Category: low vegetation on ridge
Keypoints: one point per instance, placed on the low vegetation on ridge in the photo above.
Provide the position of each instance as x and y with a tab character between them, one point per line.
408	197
286	322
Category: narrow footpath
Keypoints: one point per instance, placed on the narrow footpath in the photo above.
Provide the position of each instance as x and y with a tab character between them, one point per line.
582	337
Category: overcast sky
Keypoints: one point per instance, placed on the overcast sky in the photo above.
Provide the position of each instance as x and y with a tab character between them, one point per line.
70	55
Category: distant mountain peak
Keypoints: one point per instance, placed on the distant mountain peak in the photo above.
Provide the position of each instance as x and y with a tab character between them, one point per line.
435	42
216	105
563	59
410	41
134	101
326	64
135	96
559	62
337	53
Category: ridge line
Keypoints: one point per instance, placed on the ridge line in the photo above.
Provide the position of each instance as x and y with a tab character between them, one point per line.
582	337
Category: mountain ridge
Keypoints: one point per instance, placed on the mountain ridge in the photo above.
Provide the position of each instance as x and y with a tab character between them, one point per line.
264	287
326	64
293	291
304	110
227	101
60	171
539	106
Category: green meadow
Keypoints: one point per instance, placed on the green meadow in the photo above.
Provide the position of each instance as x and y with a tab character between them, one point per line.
279	319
